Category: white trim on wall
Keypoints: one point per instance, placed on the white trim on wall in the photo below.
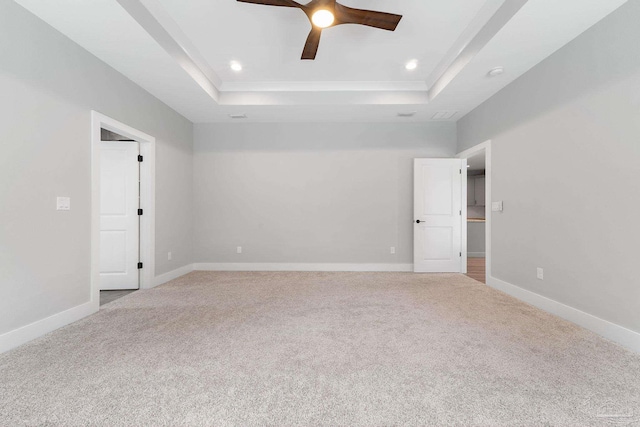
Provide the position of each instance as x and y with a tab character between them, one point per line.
24	334
619	334
147	200
464	230
178	272
17	337
173	274
301	267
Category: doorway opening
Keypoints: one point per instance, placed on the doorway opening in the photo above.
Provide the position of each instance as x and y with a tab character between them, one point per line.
477	221
122	209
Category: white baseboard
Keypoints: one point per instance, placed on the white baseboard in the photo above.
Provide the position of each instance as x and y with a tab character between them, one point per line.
619	334
173	274
36	329
476	255
233	266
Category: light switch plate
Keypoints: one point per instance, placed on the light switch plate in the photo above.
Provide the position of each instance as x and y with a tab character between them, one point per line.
63	203
497	206
540	273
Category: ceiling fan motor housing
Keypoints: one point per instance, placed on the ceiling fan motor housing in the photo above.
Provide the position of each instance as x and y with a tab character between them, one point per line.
341	15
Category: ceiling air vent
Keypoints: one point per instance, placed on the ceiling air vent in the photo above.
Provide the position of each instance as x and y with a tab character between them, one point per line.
407	114
444	115
238	116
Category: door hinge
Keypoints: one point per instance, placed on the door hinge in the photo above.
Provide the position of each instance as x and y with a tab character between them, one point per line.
140	158
139	211
460	213
139	265
461	254
460	171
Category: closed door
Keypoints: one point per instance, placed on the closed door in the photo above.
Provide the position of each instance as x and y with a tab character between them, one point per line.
119	220
438	215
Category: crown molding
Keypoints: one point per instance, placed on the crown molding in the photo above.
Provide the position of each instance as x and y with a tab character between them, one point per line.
156	21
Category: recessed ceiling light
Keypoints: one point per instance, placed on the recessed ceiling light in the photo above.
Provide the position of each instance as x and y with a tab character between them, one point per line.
236	66
411	65
468	166
494	72
322	18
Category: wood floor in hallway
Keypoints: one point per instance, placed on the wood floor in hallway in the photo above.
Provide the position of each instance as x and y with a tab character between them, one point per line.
476	269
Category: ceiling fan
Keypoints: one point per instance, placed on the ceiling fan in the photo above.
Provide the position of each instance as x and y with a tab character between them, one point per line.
329	13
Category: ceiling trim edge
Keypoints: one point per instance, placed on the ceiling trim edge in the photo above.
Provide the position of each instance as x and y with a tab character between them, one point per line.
155	20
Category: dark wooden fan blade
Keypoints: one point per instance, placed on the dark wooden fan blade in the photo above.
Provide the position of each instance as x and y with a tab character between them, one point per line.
320	4
284	3
313	41
371	18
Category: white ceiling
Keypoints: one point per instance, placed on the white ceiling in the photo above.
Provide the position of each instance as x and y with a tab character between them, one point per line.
269	40
180	50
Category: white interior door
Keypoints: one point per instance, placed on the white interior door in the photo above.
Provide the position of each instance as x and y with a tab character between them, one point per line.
119	220
437	216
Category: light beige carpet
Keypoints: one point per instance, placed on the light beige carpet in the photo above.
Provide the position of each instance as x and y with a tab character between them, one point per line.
349	349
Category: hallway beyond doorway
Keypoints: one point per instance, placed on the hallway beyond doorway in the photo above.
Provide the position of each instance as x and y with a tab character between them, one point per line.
476	269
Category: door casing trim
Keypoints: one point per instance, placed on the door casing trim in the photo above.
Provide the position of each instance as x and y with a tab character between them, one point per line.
147	200
486	147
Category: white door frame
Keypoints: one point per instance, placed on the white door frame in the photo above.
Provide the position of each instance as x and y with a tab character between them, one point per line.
147	200
486	147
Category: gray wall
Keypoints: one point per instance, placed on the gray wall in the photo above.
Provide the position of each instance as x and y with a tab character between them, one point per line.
476	238
566	162
49	85
309	193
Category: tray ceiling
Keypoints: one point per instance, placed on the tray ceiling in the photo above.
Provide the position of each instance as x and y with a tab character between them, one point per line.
181	50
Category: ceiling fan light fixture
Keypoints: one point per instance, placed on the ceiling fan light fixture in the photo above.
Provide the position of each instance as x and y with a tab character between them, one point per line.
322	18
323	14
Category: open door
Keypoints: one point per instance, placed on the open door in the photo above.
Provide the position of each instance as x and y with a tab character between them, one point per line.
437	224
119	215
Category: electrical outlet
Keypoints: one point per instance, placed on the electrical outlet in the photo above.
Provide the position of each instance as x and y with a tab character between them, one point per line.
239	249
540	273
392	250
63	203
169	256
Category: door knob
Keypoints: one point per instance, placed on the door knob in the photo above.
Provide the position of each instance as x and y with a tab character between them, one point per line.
418	221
